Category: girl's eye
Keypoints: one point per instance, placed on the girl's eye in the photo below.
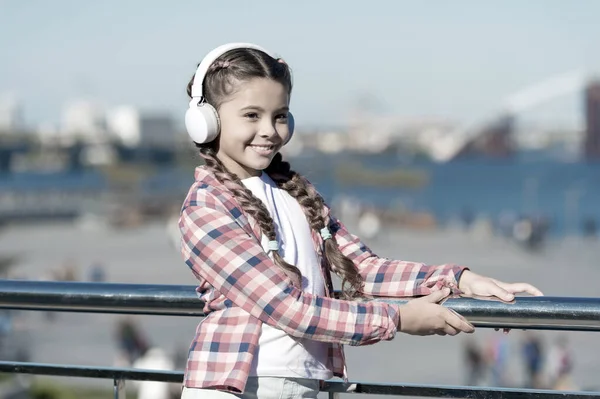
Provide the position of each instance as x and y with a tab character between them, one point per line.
251	115
282	117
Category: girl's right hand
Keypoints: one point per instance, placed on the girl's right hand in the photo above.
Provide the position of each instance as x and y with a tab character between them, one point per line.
425	316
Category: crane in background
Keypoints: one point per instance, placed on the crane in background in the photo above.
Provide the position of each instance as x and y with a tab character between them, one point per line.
494	132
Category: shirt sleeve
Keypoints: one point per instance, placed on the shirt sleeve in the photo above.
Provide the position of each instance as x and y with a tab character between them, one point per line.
233	262
393	278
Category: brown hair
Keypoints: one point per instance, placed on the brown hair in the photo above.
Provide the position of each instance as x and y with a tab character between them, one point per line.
219	83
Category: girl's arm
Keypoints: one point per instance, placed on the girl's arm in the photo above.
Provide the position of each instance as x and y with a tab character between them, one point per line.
393	278
216	248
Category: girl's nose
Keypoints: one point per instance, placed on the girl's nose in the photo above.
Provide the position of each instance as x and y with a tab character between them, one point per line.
268	129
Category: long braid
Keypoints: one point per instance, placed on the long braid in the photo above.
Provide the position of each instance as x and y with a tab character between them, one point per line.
313	206
251	205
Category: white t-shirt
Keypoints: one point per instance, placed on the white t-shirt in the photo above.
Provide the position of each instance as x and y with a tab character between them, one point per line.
280	355
154	359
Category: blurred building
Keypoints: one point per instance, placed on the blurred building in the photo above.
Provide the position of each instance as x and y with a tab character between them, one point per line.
134	128
591	145
493	140
11	117
83	121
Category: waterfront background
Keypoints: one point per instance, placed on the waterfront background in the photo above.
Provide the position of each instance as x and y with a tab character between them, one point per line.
460	132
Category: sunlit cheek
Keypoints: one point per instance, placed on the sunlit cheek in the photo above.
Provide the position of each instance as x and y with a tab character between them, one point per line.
283	131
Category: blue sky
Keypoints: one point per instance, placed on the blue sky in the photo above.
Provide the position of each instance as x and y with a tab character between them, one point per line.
457	59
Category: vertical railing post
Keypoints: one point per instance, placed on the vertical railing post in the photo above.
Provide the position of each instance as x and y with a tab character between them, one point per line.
119	388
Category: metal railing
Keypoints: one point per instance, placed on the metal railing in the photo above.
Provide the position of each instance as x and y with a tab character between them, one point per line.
533	313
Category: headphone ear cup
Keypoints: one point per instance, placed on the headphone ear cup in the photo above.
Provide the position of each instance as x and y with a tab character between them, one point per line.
291	126
202	122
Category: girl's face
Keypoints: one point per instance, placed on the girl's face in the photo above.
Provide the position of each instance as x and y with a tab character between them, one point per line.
254	126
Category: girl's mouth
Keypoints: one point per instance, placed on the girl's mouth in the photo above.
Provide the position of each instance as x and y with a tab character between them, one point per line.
262	149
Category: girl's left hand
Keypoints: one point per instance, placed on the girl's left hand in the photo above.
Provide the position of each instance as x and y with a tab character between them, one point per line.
472	284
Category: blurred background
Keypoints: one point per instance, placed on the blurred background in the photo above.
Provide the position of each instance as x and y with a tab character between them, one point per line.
443	132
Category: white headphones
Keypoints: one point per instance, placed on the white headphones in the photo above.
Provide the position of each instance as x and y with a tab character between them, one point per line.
201	119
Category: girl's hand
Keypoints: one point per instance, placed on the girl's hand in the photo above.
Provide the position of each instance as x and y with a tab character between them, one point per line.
425	316
476	286
472	284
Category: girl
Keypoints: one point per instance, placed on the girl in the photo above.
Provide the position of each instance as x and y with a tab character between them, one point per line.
262	243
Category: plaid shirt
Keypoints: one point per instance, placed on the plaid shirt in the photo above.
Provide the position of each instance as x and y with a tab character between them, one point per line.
242	288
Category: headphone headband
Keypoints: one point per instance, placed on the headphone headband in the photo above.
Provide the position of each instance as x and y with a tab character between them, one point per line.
212	56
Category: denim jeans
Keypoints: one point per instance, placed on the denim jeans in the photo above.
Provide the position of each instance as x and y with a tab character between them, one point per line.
262	388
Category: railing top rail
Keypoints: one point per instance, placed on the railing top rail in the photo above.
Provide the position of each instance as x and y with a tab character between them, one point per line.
542	313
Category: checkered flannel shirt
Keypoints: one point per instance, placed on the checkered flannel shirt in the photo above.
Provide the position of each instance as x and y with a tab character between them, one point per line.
242	288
